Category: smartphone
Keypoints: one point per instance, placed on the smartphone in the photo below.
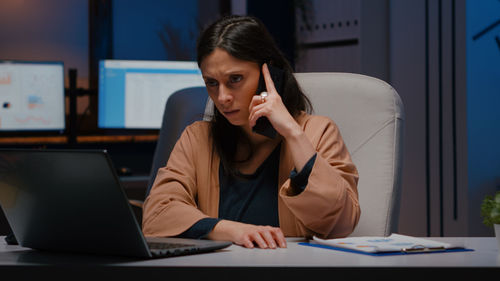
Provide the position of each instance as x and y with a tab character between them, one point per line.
263	126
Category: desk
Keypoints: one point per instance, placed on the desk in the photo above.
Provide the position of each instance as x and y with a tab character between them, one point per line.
296	262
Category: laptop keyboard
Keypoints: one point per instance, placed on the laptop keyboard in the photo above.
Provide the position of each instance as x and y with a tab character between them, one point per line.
166	246
164	249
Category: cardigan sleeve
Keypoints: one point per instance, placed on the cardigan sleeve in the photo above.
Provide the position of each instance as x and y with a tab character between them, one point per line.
171	208
328	206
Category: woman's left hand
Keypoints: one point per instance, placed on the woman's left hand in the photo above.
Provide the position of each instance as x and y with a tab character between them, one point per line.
272	108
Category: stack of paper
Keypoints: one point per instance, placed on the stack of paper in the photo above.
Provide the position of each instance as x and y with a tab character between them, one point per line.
392	243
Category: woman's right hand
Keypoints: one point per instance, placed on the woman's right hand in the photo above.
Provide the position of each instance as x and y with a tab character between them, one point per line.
248	235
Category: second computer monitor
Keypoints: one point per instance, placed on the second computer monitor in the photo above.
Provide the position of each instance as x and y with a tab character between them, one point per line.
31	97
133	93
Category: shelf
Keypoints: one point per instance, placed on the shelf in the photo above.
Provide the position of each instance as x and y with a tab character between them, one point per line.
79	139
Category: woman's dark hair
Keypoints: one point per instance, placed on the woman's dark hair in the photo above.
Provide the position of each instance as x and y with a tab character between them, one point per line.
246	38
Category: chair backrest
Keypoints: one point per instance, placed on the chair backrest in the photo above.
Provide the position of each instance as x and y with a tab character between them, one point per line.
181	109
370	116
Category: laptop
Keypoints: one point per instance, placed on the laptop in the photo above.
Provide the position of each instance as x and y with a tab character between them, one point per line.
72	201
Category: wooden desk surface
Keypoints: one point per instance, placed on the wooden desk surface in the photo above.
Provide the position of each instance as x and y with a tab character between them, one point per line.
79	139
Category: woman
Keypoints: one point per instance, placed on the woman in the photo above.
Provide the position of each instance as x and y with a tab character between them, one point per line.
225	182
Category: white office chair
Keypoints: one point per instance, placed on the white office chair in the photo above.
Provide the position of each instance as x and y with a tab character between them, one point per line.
370	116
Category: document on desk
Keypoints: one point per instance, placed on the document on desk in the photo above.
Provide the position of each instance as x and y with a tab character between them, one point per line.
390	245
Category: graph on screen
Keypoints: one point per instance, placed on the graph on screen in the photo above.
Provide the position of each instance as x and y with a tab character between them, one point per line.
31	96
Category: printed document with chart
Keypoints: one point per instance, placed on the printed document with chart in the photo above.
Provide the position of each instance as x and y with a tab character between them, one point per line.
392	243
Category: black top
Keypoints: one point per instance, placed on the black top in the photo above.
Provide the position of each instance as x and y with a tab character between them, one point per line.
251	198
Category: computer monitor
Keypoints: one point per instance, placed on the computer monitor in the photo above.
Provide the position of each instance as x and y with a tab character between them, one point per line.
133	93
32	96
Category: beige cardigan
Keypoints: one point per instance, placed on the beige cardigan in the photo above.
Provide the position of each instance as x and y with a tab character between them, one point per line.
187	189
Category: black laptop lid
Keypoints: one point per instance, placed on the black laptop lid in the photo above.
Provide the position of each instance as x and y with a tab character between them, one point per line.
68	201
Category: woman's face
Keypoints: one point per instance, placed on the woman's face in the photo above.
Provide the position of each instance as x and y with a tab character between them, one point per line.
231	84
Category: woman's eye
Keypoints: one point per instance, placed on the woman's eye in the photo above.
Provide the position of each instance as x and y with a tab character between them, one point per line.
235	78
211	83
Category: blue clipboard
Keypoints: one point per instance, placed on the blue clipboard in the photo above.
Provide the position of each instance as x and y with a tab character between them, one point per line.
382	254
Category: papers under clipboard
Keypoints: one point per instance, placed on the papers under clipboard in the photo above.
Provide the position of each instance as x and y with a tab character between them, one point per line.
394	244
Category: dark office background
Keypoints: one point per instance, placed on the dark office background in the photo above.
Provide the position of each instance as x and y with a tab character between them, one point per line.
441	56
